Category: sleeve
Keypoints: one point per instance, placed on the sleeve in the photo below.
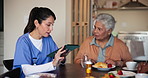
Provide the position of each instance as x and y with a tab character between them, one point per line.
125	55
32	69
22	54
81	52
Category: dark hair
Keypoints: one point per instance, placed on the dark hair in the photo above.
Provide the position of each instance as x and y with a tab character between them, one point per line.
40	14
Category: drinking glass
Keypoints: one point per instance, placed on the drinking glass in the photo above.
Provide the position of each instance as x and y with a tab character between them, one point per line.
88	68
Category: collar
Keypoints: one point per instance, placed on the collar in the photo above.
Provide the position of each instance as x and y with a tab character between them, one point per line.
109	43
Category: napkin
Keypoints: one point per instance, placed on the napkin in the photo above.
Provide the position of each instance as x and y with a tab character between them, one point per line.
68	48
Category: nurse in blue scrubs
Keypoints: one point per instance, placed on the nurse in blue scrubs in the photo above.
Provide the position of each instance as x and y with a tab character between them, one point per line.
36	43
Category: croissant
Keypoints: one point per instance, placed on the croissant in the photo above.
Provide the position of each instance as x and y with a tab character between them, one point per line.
100	65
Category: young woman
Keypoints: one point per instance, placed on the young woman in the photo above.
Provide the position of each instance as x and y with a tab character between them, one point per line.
36	43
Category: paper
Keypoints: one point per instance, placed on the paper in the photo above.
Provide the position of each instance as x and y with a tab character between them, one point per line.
68	48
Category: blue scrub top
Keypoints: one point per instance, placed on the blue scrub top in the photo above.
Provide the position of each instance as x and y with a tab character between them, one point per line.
25	52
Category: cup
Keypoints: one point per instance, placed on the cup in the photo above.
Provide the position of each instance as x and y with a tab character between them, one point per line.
88	68
131	65
141	75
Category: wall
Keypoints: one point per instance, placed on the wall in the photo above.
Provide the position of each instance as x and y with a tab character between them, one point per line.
129	20
68	28
16	14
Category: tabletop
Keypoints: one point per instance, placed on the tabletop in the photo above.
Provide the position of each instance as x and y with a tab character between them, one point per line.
76	71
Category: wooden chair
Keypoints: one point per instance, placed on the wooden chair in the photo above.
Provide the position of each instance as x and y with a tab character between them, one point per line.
15	73
8	63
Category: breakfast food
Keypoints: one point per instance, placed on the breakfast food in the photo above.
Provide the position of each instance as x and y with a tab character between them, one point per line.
109	65
113	74
100	65
109	75
90	77
119	72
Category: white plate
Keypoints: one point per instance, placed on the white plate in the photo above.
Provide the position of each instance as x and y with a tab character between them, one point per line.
125	68
33	76
141	58
47	75
141	75
104	69
125	73
42	75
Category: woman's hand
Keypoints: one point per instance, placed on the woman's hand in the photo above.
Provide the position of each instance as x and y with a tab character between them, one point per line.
58	57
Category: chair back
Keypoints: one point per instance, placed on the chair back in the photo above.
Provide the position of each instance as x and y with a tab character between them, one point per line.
8	63
15	73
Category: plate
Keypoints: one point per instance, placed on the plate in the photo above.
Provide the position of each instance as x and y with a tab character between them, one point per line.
141	75
33	76
42	75
125	74
125	68
141	58
104	69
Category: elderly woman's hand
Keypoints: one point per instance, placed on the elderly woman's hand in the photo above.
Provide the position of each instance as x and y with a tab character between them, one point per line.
109	61
58	57
116	63
93	61
143	67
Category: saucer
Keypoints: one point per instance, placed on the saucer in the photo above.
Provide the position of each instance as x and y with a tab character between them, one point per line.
125	68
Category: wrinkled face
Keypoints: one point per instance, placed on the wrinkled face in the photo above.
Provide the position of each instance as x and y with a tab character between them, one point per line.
45	28
100	32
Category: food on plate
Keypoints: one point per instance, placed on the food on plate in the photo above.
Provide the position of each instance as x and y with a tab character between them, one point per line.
109	75
100	65
109	65
119	72
106	76
126	74
103	65
90	77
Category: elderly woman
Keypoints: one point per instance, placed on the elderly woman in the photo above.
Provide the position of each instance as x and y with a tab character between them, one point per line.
103	46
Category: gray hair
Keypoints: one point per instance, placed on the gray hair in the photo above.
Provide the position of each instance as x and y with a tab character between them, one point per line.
106	19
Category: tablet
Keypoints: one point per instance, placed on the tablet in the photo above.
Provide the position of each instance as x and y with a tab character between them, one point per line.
68	48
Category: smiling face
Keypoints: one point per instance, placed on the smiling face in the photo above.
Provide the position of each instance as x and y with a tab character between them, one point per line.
100	32
44	29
